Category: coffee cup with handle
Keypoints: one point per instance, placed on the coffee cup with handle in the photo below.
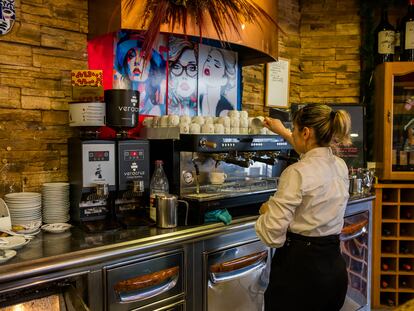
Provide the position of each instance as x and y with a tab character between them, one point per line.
217	178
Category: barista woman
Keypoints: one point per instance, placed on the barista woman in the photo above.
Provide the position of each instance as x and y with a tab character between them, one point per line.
305	216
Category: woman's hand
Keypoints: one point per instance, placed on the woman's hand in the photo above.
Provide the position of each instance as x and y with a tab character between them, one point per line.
276	126
264	208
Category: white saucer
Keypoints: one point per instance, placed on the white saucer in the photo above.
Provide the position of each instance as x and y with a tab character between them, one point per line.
14	242
56	227
8	254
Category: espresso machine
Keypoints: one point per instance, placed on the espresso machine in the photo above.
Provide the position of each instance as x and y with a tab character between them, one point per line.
251	165
92	180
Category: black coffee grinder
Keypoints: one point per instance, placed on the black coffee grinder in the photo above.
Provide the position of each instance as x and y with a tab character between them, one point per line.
132	159
92	180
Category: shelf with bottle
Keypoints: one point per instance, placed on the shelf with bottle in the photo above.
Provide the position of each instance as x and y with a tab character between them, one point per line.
388	299
406	283
407	213
405	247
388	265
389	246
405	266
388	282
389	230
407	231
389	195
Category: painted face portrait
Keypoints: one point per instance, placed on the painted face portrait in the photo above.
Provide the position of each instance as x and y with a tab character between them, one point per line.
7	16
136	72
185	74
214	69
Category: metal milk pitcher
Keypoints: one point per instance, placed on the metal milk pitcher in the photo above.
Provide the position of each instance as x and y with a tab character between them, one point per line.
167	210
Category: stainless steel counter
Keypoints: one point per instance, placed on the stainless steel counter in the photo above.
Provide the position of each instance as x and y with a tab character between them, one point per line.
49	253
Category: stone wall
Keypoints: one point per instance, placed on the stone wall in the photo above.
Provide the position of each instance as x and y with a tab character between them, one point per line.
321	39
47	41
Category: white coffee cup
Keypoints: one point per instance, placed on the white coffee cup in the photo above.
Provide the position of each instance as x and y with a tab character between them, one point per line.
244	122
244	114
208	120
164	121
244	130
207	128
198	119
234	122
234	130
218	128
195	128
224	120
173	120
185	119
147	122
234	114
184	128
156	121
217	178
257	124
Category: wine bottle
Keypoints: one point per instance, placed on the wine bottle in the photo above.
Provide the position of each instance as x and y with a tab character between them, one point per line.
384	284
384	39
390	302
386	232
397	49
407	267
407	34
384	267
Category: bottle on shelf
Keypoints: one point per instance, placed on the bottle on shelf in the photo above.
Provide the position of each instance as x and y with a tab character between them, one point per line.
384	46
407	267
158	185
385	267
386	232
397	49
390	302
407	34
384	284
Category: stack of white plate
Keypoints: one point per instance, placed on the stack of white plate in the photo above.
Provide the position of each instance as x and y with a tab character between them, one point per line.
24	207
55	202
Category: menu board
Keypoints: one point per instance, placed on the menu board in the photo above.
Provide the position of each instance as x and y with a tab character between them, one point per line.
277	83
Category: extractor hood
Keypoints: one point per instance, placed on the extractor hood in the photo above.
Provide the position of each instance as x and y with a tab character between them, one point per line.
256	43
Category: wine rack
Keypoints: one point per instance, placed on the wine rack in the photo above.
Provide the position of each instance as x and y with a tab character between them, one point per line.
393	245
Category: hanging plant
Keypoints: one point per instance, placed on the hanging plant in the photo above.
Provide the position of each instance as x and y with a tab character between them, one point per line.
223	13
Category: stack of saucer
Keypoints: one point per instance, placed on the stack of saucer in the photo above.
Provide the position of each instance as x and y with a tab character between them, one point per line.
55	202
24	207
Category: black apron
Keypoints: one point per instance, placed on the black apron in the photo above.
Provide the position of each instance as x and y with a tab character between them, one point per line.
307	274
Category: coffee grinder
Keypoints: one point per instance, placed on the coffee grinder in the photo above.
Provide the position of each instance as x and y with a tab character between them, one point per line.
92	179
132	159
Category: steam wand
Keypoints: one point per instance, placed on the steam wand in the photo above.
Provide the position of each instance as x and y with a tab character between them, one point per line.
197	171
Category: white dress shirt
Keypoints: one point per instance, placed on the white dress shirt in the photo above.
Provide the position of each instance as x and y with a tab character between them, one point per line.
311	199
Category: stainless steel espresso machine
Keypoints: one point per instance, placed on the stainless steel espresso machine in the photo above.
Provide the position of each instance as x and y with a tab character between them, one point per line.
250	165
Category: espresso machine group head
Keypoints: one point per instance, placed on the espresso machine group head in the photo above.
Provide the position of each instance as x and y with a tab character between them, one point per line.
92	181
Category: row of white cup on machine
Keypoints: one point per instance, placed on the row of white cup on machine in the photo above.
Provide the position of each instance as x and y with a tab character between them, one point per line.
236	122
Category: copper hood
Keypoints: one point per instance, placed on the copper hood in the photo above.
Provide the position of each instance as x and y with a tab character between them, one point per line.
257	44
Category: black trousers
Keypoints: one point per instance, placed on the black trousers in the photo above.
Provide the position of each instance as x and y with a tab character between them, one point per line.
307	274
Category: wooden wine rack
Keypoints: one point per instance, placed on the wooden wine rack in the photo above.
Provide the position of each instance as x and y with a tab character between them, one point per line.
393	245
